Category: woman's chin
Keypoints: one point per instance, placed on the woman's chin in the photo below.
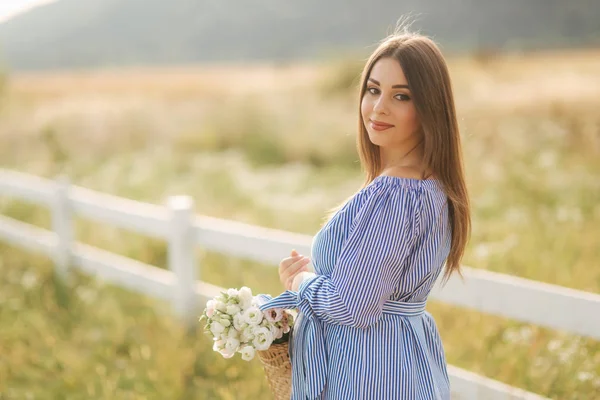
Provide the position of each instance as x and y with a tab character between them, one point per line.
376	139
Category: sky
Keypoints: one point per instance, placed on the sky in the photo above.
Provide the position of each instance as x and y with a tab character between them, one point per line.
9	8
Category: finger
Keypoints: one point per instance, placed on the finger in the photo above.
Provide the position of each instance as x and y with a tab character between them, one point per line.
295	269
287	262
296	258
297	272
292	259
294	253
299	265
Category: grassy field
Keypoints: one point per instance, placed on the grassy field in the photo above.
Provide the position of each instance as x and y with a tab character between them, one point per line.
273	145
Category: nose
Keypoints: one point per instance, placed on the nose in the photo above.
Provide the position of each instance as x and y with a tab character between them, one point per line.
380	106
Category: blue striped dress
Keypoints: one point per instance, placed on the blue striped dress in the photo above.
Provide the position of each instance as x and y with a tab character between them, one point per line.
362	331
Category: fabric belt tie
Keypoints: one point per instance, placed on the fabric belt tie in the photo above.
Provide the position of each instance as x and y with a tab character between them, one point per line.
311	339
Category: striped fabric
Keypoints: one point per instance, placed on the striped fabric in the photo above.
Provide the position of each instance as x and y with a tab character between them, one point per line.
362	331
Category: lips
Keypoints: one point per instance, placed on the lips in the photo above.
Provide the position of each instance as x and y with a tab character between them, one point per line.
379	126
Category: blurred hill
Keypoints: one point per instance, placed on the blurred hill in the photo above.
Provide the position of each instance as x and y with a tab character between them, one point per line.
96	33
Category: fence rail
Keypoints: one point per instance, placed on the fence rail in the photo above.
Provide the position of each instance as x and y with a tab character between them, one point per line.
504	295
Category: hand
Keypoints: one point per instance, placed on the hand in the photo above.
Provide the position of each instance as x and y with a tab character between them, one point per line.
290	267
299	278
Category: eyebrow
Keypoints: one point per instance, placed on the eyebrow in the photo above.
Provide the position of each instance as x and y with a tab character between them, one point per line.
393	87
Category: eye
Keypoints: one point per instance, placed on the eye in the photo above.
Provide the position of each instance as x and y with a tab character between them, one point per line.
402	97
373	90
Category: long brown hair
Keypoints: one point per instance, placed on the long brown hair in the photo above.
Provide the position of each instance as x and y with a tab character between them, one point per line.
427	75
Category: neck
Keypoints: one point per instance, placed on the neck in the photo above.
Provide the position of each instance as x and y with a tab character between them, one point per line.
408	156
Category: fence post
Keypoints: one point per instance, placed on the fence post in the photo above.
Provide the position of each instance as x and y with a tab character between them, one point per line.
181	257
62	225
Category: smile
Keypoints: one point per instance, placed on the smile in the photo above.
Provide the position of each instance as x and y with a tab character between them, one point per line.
379	126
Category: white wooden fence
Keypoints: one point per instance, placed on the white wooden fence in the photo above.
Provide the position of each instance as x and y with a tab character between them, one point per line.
504	295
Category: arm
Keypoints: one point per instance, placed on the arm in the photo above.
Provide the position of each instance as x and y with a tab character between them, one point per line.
370	263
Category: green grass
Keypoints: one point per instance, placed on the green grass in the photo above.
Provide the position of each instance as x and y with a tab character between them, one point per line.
279	156
85	339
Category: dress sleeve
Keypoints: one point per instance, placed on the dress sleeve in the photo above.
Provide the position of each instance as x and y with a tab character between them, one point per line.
370	264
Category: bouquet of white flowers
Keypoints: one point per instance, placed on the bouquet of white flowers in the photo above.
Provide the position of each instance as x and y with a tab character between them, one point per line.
237	325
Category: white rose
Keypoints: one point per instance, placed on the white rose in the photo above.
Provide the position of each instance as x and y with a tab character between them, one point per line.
233	292
262	338
219	345
233	309
233	333
238	322
226	353
216	328
253	316
247	335
274	314
232	345
258	301
276	332
220	306
247	353
245	297
225	334
210	308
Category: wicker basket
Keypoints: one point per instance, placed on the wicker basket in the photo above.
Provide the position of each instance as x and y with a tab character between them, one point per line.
278	369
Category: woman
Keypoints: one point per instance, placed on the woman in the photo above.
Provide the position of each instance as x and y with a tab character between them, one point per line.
362	331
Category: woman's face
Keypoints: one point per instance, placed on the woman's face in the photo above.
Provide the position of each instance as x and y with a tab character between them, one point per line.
387	109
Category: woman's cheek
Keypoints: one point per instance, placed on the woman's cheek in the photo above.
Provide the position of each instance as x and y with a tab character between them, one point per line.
365	109
410	120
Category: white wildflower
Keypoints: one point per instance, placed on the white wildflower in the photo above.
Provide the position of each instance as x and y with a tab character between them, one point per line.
482	251
585	376
554	345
